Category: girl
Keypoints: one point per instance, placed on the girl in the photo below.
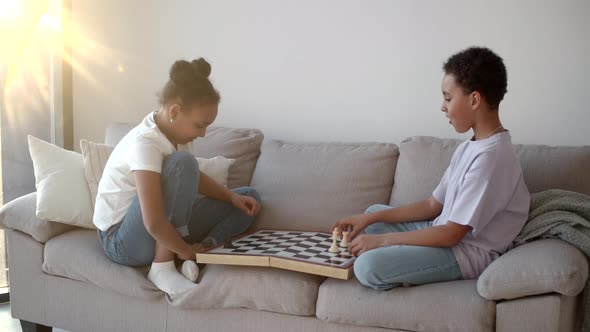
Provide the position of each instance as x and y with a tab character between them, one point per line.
478	208
147	210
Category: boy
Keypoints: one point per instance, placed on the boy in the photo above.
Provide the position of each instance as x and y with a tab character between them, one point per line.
478	208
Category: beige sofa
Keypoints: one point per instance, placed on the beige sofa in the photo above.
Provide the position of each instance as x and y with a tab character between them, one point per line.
60	277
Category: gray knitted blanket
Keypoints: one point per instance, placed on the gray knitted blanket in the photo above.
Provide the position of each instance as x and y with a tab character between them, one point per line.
563	215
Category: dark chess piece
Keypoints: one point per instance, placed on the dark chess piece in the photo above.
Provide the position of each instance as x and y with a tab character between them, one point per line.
228	244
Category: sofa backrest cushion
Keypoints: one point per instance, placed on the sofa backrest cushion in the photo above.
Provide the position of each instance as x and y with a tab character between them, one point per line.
423	160
240	144
309	186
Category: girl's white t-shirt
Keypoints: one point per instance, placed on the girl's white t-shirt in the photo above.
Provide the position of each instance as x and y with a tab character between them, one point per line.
143	148
483	188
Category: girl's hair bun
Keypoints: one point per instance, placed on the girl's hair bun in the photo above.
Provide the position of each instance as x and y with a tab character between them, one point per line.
202	67
181	72
190	82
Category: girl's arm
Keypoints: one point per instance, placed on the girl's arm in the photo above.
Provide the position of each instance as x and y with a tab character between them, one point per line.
152	211
212	189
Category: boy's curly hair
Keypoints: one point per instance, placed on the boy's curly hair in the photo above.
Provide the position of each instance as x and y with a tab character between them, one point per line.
479	69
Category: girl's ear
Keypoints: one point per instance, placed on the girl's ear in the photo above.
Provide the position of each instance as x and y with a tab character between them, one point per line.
173	111
475	98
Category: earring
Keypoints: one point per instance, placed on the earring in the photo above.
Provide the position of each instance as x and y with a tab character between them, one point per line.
171	120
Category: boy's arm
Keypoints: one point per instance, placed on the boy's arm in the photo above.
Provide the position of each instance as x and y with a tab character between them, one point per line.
446	236
424	210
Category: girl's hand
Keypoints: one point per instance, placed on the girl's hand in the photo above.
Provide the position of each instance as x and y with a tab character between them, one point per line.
245	203
366	242
355	224
192	251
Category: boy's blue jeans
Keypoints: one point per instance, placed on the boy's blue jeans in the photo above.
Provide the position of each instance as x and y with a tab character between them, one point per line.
388	267
195	218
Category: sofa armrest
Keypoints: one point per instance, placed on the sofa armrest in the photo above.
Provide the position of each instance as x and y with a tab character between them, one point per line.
20	214
538	267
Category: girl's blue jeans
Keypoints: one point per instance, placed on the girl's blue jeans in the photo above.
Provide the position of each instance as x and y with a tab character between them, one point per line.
195	218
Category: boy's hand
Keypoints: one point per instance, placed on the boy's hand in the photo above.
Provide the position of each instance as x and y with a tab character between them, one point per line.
366	242
355	224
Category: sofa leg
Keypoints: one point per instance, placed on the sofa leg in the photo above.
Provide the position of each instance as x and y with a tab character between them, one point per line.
34	327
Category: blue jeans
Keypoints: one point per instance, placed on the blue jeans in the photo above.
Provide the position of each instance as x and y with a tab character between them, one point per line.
388	267
195	218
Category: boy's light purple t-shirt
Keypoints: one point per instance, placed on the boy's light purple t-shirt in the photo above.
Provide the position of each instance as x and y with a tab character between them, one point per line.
483	188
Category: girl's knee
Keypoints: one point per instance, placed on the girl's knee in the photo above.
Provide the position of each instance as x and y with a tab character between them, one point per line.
182	158
249	191
180	163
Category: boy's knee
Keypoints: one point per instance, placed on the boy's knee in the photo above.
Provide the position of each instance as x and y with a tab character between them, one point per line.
376	207
365	270
375	228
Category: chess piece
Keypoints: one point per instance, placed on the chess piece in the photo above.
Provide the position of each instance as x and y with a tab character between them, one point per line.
227	244
334	247
344	242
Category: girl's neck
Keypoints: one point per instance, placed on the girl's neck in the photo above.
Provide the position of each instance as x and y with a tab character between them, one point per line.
162	120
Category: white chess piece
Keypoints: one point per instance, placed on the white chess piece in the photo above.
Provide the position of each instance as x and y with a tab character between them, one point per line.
334	247
344	243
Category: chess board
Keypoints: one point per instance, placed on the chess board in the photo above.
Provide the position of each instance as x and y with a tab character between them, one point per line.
292	250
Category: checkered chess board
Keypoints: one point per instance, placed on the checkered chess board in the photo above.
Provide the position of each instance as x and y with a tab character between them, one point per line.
311	247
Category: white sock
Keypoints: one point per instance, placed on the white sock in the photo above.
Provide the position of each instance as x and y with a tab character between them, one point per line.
165	276
190	270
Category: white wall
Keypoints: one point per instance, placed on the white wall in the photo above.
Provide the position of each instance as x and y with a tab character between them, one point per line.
337	70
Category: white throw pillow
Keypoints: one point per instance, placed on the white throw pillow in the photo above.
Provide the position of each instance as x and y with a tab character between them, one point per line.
216	168
96	156
62	191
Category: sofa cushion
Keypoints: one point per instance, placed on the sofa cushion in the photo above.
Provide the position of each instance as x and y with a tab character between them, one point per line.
78	255
423	160
421	164
538	267
445	306
240	144
243	145
20	214
309	186
259	288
